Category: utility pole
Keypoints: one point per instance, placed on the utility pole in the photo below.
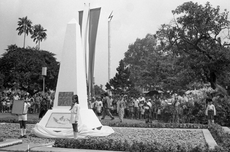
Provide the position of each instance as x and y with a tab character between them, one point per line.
44	73
109	46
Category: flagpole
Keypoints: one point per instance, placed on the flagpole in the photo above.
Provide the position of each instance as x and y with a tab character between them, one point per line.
109	20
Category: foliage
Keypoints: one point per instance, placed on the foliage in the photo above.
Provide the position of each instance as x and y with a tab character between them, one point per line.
222	111
121	83
196	39
24	27
109	143
98	91
39	34
193	48
139	139
22	69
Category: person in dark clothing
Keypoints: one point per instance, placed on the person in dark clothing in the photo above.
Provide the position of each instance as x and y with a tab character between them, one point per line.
106	107
43	107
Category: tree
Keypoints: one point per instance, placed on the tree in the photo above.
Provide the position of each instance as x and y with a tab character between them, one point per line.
98	91
39	34
151	68
196	38
22	67
121	83
24	27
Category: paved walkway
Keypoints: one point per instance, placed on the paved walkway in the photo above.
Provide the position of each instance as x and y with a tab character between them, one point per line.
44	148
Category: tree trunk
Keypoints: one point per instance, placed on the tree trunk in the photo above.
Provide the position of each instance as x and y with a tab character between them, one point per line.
24	43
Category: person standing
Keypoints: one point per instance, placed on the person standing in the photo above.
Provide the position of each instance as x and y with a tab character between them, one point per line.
75	115
121	108
22	118
210	111
43	106
136	108
99	107
106	107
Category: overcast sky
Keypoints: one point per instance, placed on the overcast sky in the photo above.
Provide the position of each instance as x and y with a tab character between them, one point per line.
132	19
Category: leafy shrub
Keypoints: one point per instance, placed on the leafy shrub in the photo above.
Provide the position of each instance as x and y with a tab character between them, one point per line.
134	146
221	137
158	125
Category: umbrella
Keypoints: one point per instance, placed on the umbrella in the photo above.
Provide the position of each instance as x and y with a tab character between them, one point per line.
153	92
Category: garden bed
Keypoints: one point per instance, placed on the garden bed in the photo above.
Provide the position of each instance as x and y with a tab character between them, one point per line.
134	137
141	139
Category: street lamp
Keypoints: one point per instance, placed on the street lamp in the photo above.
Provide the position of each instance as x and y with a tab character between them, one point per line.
109	20
44	73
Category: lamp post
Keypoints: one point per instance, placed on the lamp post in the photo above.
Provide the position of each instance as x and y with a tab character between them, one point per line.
109	20
44	73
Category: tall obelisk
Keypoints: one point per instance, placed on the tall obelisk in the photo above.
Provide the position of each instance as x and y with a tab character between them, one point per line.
71	80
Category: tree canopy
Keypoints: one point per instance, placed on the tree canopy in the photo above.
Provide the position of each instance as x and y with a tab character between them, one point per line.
22	69
24	27
197	37
192	49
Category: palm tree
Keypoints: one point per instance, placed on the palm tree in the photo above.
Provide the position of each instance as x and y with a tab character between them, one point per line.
39	34
24	26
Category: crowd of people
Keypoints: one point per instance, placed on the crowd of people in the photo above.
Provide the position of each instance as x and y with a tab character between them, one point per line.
127	107
147	108
40	102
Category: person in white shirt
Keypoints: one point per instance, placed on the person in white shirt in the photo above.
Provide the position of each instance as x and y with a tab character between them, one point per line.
75	115
121	108
99	107
210	111
22	118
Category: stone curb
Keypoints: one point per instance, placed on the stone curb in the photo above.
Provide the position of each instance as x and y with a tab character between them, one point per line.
54	149
209	139
10	142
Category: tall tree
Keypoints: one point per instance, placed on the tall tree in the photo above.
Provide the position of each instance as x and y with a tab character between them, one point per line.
24	27
22	68
39	34
197	39
121	83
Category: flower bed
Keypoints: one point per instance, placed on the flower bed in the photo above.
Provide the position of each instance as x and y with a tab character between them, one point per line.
141	139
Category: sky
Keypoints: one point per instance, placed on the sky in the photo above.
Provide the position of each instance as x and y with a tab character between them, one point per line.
132	19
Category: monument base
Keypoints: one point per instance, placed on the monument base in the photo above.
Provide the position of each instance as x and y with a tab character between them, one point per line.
56	124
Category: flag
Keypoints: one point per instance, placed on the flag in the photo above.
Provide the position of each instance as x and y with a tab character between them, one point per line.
92	34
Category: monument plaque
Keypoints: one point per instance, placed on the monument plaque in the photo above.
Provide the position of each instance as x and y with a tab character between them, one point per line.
65	98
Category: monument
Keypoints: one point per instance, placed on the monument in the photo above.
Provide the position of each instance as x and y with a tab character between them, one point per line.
71	80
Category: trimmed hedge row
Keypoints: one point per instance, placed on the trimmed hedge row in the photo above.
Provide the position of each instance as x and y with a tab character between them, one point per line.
116	145
11	120
158	125
222	139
